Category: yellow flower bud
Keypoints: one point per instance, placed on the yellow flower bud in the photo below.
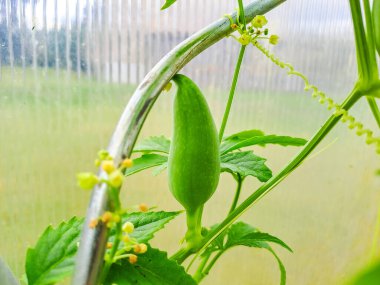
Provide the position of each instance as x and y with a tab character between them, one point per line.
103	154
87	180
108	166
132	259
93	223
140	248
116	178
127	163
107	217
109	245
128	227
259	21
143	207
273	39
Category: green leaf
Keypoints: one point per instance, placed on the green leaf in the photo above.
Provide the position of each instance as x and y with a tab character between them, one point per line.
159	169
6	275
369	276
144	162
231	145
243	234
146	224
167	4
243	135
153	144
246	163
152	268
51	260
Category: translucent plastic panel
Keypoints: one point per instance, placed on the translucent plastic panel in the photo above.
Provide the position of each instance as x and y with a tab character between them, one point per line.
69	67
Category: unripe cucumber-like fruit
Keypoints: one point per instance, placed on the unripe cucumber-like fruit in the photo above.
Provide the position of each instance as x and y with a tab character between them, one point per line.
376	23
194	159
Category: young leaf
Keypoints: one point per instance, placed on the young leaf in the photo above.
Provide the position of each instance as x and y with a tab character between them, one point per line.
144	162
153	144
243	234
261	140
152	267
167	4
246	163
52	259
159	169
146	224
6	275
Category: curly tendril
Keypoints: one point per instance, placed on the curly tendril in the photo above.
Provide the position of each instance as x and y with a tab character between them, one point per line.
324	99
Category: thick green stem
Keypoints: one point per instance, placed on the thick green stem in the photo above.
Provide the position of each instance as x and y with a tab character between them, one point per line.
232	92
362	51
270	184
375	109
199	277
239	181
241	13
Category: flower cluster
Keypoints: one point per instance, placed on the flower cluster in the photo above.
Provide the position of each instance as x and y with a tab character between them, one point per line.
88	180
254	31
122	244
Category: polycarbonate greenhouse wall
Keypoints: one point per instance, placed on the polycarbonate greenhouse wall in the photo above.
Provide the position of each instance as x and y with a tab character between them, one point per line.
68	68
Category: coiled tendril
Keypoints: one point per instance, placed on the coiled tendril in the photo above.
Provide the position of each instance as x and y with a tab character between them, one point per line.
324	99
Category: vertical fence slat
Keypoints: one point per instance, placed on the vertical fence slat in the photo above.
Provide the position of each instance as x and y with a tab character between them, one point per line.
78	38
68	38
56	47
45	38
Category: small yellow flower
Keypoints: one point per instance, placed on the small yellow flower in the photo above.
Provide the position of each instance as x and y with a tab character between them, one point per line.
273	39
108	166
245	39
140	248
259	21
93	223
127	163
87	180
143	207
103	154
115	218
106	217
132	259
128	227
116	179
109	245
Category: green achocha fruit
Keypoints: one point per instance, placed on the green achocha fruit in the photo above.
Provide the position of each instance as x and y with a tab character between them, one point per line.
376	23
194	160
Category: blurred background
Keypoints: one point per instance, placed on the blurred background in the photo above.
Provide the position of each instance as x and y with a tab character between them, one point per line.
68	68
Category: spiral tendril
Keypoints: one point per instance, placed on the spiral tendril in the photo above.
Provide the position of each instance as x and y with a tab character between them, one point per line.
351	122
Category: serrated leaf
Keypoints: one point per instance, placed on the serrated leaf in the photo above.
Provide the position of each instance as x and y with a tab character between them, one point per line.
167	4
51	260
146	224
53	257
144	162
153	144
152	268
243	234
232	145
246	163
6	275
